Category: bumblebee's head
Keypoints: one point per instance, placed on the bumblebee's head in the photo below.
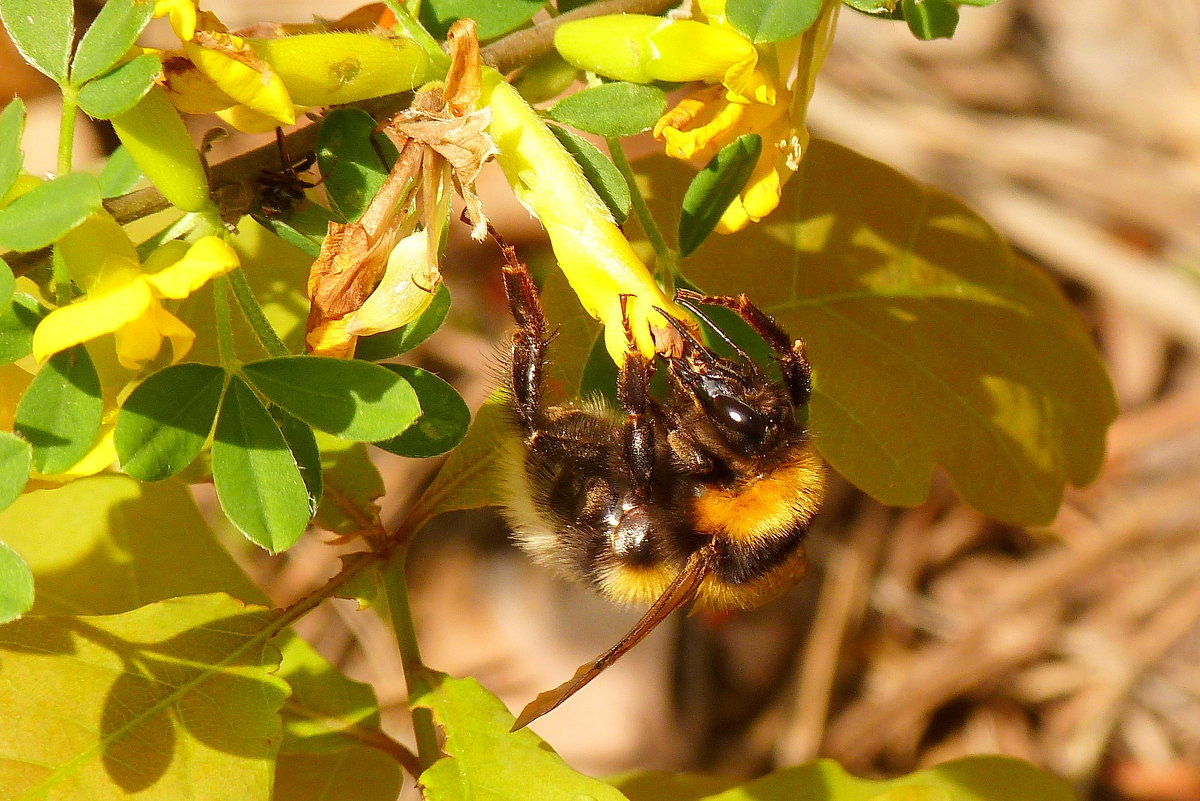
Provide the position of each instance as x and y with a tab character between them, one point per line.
736	406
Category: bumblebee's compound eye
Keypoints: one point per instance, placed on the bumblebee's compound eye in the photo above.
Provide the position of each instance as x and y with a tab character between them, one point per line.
738	417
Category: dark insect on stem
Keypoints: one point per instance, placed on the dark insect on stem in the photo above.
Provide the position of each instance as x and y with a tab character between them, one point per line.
279	191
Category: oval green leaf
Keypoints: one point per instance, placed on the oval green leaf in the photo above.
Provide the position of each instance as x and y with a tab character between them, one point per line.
714	188
930	19
18	319
348	151
120	173
392	343
257	479
16	460
43	31
120	90
601	173
111	34
443	421
60	413
304	228
492	18
611	109
303	444
16	585
164	422
772	20
49	210
353	399
931	344
12	125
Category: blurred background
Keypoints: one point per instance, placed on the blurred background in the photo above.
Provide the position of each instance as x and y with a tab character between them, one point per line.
920	634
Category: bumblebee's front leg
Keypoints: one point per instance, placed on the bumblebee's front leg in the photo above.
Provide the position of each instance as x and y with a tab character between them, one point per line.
528	352
793	360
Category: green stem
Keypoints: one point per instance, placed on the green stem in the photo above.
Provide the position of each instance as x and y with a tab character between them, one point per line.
255	314
666	258
224	322
66	130
416	675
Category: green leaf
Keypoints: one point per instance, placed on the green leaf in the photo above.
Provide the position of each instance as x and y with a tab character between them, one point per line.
714	188
601	173
16	460
331	737
164	422
443	421
174	699
492	18
49	210
656	785
109	543
111	34
16	584
18	319
611	109
884	8
353	399
8	283
258	482
485	760
60	412
12	125
42	30
931	344
353	487
120	90
930	19
348	151
378	347
303	229
303	444
120	174
977	778
470	477
772	20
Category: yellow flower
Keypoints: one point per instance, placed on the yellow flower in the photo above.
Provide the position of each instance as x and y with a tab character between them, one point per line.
762	89
255	82
595	256
124	296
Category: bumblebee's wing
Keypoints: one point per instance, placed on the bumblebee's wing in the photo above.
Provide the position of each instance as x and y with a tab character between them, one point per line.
679	592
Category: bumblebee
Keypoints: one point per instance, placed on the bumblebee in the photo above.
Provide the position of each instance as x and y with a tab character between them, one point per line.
704	495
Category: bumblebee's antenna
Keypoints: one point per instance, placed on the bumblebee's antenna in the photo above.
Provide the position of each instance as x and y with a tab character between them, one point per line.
693	307
681	590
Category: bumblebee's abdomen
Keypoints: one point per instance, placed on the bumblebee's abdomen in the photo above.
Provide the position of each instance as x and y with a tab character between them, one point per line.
758	526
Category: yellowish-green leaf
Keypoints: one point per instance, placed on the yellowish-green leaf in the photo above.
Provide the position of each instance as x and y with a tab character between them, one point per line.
486	762
931	344
107	544
173	700
979	778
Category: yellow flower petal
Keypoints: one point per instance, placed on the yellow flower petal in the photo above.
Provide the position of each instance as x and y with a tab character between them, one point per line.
189	89
90	318
687	50
406	290
595	256
247	120
181	14
99	254
205	259
139	340
240	73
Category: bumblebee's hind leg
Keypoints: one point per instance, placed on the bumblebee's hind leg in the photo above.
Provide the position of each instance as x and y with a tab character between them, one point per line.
793	360
528	351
